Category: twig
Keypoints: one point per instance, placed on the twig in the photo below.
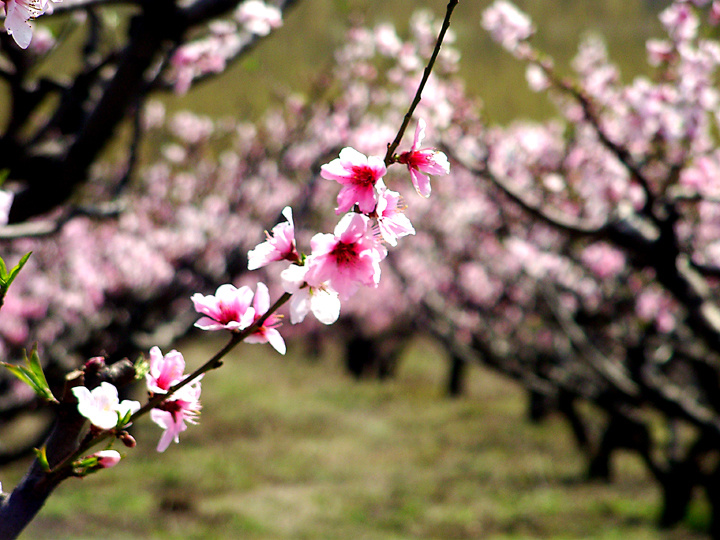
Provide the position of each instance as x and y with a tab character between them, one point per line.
389	156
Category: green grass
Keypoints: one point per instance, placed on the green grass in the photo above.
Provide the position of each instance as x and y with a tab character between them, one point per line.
290	448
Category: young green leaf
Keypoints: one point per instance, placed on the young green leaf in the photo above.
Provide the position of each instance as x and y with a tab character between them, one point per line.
32	375
16	269
7	278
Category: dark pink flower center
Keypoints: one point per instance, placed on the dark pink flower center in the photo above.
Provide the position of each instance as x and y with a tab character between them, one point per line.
344	254
364	176
227	314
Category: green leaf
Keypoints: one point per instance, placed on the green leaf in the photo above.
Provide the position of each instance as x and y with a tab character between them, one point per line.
123	420
16	269
41	455
20	372
4	173
32	375
37	370
6	279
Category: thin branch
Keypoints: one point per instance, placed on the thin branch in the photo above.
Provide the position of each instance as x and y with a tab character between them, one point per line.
389	156
612	372
47	227
570	226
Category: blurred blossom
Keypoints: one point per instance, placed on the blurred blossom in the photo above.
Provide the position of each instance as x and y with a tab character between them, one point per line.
191	128
714	16
43	41
680	22
257	17
507	24
537	78
204	56
174	153
659	51
603	260
387	41
153	114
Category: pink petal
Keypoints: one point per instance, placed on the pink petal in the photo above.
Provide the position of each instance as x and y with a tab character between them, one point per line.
421	183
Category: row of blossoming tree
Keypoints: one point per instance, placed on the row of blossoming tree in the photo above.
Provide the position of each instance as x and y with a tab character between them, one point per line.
578	256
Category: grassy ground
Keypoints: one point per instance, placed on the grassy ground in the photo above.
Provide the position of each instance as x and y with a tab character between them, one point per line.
291	448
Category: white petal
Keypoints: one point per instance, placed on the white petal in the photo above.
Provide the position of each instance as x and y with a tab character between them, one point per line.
325	306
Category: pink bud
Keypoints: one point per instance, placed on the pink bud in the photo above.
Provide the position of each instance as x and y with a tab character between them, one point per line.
95	364
107	458
127	439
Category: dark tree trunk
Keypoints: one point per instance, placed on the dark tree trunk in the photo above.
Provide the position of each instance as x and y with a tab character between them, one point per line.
456	376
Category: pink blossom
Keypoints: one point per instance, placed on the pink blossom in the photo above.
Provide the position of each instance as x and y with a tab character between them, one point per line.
280	245
427	160
207	55
714	16
680	22
228	309
165	371
107	458
346	259
102	406
659	51
359	175
507	24
537	78
603	260
257	17
267	332
321	300
171	415
43	41
391	220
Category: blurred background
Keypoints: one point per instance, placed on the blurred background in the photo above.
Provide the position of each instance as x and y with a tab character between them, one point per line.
301	446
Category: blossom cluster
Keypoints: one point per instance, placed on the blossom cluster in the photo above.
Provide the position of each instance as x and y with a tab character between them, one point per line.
339	263
103	408
224	40
183	405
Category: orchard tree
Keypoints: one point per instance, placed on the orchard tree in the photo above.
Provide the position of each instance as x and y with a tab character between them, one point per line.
579	256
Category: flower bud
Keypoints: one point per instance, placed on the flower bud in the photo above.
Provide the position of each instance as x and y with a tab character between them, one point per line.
95	364
107	458
127	439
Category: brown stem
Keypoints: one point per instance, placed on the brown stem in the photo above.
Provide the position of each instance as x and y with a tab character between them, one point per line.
418	94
